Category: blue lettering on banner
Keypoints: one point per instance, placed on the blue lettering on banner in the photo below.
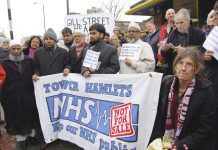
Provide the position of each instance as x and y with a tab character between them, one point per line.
109	89
57	127
104	145
71	129
88	112
88	134
63	84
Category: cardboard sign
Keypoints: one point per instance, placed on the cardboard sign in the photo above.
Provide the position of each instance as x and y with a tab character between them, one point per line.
83	22
131	51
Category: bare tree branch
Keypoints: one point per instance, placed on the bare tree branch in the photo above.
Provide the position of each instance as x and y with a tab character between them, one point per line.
115	7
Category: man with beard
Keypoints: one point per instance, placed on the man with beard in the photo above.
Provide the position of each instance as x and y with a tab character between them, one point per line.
50	59
146	61
18	99
108	60
76	52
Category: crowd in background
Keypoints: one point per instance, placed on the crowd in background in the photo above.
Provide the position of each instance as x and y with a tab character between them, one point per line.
187	110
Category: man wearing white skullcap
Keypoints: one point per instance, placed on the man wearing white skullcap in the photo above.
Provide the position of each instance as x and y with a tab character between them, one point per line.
146	61
18	99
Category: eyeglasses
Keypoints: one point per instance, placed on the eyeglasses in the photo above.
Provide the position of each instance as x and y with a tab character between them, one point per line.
132	31
188	66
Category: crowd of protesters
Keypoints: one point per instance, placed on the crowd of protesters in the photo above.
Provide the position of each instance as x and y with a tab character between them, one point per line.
187	110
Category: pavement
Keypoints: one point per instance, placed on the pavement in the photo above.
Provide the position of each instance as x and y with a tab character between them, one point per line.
8	142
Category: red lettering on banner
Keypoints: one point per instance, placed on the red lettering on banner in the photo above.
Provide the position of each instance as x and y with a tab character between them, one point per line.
121	121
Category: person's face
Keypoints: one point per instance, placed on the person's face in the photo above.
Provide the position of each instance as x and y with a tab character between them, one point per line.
170	15
16	50
35	43
133	34
107	39
79	38
49	42
215	19
116	31
95	36
181	24
5	44
115	41
150	27
185	69
67	38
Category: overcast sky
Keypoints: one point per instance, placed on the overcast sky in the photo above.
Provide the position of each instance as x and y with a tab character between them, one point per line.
27	17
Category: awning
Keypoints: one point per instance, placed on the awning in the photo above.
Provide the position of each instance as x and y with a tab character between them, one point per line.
147	4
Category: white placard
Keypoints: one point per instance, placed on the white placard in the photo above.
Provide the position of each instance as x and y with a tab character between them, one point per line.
91	59
131	51
83	22
103	112
211	43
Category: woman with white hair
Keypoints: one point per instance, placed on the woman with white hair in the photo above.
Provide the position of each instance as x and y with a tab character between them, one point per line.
184	35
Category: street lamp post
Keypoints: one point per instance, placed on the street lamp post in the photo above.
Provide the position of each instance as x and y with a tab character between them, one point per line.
43	9
10	19
44	16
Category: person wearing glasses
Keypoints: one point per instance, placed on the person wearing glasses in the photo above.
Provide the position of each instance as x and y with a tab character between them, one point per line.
76	52
186	111
146	61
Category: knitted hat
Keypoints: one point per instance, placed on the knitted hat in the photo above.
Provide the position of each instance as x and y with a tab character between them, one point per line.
50	33
14	42
134	25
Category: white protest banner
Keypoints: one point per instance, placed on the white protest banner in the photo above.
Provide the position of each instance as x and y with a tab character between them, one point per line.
104	112
83	22
91	59
211	43
131	51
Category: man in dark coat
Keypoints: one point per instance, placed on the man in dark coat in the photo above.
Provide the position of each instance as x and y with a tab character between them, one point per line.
184	35
108	59
18	99
152	38
76	52
50	59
